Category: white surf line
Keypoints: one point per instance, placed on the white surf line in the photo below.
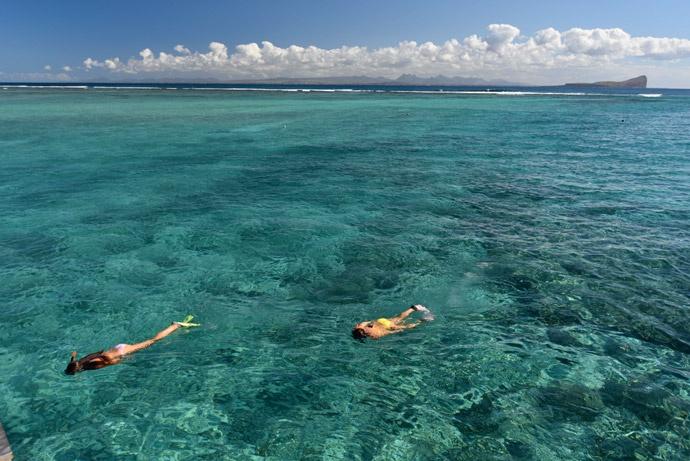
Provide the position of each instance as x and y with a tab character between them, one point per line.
503	93
127	88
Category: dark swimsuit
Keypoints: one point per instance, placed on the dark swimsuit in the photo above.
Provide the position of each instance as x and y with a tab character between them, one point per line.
90	361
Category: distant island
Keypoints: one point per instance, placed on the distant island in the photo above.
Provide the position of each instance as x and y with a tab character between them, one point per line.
637	82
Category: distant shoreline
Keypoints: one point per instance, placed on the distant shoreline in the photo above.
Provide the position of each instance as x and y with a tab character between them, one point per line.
404	81
563	90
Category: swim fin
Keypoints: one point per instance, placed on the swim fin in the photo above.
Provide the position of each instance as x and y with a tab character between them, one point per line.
187	322
427	315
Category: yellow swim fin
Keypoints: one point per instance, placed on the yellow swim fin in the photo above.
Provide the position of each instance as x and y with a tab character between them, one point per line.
187	322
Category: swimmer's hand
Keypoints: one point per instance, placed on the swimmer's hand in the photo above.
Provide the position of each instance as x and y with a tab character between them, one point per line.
187	322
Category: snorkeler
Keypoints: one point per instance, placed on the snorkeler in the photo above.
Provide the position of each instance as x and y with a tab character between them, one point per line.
114	355
375	329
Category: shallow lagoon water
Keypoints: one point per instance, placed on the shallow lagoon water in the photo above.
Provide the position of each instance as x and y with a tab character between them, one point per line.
549	234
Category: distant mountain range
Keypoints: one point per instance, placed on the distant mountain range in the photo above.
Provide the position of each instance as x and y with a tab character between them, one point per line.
438	80
441	80
637	82
403	80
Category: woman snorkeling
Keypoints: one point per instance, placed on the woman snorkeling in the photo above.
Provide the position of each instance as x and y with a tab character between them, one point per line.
375	329
115	355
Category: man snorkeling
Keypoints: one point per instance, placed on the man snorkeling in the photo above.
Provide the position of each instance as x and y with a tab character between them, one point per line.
115	355
375	329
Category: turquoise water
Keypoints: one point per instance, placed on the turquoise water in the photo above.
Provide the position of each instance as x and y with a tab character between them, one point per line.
549	234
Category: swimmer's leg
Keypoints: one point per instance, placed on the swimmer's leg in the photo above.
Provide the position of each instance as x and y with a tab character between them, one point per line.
414	308
163	333
132	348
403	315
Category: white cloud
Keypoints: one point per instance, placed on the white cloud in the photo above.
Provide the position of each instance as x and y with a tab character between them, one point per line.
182	49
501	52
47	67
66	69
501	36
90	63
110	64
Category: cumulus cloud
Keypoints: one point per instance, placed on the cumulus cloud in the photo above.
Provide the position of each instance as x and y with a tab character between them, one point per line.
182	49
501	36
66	69
47	67
500	50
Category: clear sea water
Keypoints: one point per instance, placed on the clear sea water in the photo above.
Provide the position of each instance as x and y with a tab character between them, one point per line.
550	234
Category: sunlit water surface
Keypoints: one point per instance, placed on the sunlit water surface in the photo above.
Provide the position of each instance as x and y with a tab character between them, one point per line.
549	234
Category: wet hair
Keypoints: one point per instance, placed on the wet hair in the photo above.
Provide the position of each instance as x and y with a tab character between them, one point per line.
72	368
359	333
90	362
73	365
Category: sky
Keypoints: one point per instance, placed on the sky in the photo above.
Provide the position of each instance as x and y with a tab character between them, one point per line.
531	42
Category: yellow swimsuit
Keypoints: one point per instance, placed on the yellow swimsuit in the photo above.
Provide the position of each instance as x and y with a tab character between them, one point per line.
385	323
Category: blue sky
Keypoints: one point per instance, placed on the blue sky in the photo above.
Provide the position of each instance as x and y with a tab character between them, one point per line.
35	34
